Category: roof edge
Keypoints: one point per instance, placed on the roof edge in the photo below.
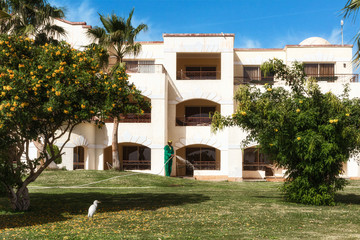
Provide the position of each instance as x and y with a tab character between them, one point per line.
84	25
258	49
152	42
198	35
314	45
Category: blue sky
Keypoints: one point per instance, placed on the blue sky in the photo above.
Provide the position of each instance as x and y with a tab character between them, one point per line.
255	23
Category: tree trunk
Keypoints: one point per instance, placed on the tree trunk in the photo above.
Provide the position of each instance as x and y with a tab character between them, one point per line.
117	165
20	201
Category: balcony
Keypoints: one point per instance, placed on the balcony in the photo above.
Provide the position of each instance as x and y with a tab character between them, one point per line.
193	121
132	118
198	75
198	66
196	112
342	78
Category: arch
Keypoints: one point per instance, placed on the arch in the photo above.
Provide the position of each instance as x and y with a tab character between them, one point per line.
128	137
212	142
80	141
133	156
199	94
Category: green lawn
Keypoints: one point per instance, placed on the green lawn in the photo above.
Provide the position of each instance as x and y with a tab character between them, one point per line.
143	206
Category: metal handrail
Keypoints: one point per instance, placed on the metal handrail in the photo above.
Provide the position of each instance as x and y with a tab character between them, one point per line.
132	118
145	68
206	165
198	75
193	121
271	80
136	164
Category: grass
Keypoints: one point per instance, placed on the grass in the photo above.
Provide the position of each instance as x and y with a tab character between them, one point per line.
144	206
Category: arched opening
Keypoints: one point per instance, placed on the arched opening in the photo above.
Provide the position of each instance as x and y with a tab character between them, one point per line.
197	157
133	156
79	158
257	164
145	117
196	112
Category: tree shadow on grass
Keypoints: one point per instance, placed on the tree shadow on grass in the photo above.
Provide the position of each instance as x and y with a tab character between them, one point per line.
347	198
47	208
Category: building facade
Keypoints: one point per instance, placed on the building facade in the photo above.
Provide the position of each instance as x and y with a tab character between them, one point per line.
187	77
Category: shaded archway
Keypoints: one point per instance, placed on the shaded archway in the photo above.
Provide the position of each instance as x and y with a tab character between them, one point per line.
133	156
257	164
197	157
196	112
79	158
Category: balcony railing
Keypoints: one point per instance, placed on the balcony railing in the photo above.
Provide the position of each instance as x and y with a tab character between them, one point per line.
193	121
343	78
206	165
336	78
198	75
253	80
132	118
145	68
137	164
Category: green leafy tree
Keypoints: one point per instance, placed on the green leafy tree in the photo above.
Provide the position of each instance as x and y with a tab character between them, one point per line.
32	18
117	36
307	132
351	9
45	92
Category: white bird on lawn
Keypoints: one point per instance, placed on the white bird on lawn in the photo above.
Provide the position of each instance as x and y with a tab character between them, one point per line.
92	209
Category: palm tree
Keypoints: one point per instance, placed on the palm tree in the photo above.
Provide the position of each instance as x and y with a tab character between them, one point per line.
30	18
351	9
117	36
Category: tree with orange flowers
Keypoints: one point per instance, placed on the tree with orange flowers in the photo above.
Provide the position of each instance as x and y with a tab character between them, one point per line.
45	92
307	132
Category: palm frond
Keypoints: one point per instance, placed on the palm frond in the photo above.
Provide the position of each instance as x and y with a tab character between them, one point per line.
351	8
4	15
54	30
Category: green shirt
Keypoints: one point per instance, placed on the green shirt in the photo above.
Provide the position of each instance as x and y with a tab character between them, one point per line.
169	150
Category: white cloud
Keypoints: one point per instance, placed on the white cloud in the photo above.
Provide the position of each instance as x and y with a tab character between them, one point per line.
335	36
249	43
78	11
152	34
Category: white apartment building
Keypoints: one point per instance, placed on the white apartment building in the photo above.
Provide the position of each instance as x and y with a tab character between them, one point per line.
186	77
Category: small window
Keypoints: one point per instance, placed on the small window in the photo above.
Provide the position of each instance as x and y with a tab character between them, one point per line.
140	66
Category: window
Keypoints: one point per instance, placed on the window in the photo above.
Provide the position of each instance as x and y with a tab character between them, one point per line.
136	158
319	69
140	66
202	158
254	160
253	74
196	116
195	72
79	158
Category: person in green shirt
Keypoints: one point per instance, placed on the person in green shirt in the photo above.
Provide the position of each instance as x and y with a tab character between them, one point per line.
168	158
